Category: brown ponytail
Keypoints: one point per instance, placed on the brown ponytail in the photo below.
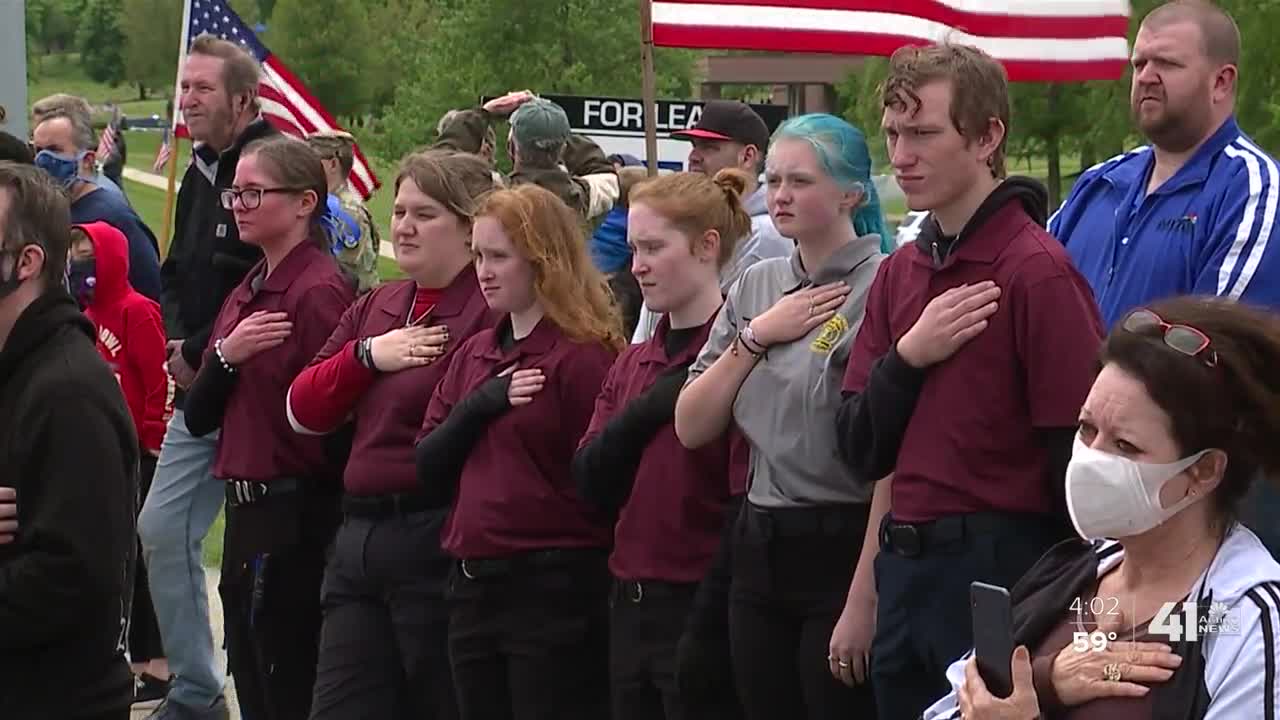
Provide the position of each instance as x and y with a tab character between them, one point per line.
696	203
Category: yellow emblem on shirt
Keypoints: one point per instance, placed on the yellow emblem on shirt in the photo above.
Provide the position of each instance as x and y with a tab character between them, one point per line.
831	332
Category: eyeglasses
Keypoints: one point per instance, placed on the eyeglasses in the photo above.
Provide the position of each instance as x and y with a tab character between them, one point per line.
1183	338
250	198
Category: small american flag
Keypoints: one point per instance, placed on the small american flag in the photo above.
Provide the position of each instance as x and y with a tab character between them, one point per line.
1036	40
286	103
106	142
163	152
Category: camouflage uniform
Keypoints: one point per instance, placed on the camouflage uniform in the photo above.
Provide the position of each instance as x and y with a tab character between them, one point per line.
357	252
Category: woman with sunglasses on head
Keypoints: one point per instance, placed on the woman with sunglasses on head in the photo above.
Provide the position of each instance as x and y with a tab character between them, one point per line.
670	502
773	365
1166	606
529	593
281	487
383	647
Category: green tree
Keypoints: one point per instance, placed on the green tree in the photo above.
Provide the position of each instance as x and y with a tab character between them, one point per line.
49	30
479	47
327	43
101	41
400	30
152	30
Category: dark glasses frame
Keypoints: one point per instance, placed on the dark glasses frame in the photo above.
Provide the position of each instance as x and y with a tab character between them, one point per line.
228	197
1183	338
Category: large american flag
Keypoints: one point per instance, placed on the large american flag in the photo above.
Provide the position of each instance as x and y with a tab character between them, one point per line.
286	103
1036	40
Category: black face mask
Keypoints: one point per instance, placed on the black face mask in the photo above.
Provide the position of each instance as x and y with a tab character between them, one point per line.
10	283
82	278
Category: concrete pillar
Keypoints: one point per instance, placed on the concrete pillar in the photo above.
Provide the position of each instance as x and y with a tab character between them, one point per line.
13	61
709	91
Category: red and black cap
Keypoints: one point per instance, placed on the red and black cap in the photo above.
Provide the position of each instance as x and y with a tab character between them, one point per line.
728	120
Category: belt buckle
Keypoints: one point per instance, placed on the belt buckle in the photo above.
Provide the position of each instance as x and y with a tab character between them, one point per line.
906	539
466	572
635	591
262	490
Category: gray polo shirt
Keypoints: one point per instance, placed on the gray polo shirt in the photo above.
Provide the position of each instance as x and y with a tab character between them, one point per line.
787	406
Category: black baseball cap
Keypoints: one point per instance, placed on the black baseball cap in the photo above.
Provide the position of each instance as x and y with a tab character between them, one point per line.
728	120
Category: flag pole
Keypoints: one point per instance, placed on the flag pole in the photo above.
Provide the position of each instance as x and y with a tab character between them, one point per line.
170	195
183	40
649	87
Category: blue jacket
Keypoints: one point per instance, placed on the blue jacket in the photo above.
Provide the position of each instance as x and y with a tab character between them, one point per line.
1206	230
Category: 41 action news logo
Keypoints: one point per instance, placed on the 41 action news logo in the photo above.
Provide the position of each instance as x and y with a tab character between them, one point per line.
1184	621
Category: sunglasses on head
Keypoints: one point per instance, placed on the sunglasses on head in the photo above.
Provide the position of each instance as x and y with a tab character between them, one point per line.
1183	338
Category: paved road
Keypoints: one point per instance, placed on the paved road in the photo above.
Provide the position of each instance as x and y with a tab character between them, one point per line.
215	620
159	182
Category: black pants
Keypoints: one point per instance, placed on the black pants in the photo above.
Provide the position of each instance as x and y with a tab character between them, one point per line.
791	574
384	643
532	643
144	629
647	619
923	620
272	565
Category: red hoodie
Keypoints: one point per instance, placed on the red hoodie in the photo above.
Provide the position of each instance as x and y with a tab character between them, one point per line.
130	336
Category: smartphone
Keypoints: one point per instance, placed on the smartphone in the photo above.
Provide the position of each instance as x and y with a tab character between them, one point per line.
993	636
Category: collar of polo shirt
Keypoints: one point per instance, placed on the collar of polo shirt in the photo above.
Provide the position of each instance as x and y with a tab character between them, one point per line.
840	264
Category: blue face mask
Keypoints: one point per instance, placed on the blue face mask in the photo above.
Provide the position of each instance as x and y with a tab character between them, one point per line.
82	278
62	168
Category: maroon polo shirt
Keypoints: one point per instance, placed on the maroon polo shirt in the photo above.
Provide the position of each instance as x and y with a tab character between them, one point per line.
972	443
671	526
257	442
389	414
517	492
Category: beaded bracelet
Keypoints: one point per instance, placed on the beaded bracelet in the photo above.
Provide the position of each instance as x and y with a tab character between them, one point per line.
217	350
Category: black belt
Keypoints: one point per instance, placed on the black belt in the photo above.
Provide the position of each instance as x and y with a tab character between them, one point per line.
488	568
248	492
913	539
381	507
810	521
638	591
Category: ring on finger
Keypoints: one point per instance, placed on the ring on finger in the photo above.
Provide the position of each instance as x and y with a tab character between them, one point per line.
843	663
1111	672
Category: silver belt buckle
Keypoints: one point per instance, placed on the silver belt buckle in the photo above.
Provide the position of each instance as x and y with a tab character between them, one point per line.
465	572
637	593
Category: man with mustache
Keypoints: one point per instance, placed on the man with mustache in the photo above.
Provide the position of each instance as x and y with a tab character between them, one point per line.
1193	212
206	261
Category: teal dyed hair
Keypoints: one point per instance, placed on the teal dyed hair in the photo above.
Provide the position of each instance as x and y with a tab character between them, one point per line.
842	151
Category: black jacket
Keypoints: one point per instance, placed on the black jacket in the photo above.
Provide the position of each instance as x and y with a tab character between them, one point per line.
68	446
206	259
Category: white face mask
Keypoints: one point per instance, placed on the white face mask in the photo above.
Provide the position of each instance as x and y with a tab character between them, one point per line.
1109	496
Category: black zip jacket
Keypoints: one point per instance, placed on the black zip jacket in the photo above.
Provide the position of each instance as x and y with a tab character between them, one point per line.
206	259
872	423
67	445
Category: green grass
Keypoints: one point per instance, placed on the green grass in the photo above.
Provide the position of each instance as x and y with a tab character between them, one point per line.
63	74
142	148
213	542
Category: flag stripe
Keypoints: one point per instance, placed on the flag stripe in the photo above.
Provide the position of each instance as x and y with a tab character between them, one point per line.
1028	18
1049	40
315	116
1042	70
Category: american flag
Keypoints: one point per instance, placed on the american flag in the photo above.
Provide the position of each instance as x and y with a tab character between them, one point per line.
286	103
163	152
1036	40
106	142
